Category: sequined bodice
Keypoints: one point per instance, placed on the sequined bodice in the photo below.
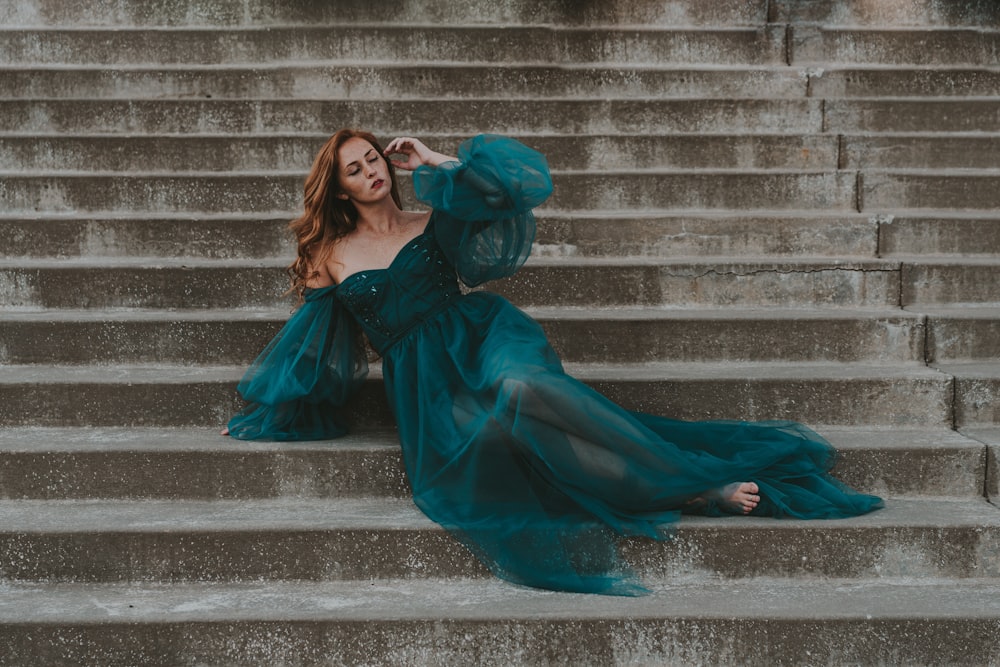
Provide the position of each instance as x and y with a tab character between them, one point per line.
388	303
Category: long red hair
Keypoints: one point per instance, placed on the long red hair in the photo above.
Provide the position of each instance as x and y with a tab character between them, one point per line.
326	217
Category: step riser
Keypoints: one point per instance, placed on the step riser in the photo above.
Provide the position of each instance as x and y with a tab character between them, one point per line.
345	473
283	153
709	285
817	45
540	116
669	13
934	153
389	118
357	83
457	642
129	237
887	190
926	283
258	287
904	83
916	236
751	46
977	401
883	401
927	13
667	237
573	191
911	115
950	339
822	549
416	83
580	340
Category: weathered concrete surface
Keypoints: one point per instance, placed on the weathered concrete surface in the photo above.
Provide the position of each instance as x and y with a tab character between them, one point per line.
670	13
560	233
924	13
685	284
832	393
134	235
205	283
952	232
185	463
920	151
969	280
911	115
464	622
902	82
388	117
677	234
971	189
248	153
694	204
942	46
628	335
977	392
361	538
402	82
269	192
752	45
962	333
989	435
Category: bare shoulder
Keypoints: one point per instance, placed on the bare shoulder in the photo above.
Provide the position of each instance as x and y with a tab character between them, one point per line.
417	219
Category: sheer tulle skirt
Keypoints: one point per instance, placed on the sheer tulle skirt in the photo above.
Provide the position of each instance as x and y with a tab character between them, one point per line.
538	474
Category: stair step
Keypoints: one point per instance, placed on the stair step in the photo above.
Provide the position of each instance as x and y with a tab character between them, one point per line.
753	45
734	282
464	622
198	464
408	117
256	153
935	153
955	281
990	436
835	81
940	233
365	81
628	335
560	233
962	333
904	115
210	284
832	393
977	392
272	191
928	46
195	13
923	13
364	538
975	189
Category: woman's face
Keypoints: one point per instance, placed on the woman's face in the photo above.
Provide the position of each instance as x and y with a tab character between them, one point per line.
363	175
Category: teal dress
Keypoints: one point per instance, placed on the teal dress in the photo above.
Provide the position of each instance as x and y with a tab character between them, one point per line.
533	471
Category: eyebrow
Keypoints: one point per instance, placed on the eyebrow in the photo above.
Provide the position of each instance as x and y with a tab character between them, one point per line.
363	156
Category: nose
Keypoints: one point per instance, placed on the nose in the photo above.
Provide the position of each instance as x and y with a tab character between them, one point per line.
370	169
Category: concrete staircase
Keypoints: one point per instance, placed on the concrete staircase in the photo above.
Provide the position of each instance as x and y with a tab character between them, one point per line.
763	209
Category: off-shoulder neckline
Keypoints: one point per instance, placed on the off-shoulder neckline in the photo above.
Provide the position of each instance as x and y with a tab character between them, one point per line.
426	231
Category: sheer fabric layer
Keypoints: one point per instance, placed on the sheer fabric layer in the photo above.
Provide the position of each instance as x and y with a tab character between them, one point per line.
535	472
296	387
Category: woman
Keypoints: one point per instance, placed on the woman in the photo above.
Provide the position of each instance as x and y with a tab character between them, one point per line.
532	470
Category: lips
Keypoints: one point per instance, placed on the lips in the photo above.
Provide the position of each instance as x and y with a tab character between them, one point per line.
377	184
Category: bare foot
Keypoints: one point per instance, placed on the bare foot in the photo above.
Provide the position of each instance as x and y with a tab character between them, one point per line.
738	497
224	431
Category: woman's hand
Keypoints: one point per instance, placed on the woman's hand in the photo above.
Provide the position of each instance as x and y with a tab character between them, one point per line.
416	153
